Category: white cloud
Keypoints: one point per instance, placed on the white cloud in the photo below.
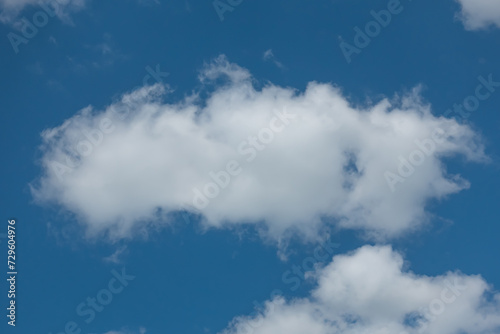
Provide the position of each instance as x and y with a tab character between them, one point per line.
479	14
12	8
116	256
327	161
368	292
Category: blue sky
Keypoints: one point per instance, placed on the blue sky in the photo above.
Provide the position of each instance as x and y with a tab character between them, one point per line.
157	193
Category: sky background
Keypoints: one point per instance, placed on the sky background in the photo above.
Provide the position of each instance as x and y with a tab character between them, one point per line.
189	280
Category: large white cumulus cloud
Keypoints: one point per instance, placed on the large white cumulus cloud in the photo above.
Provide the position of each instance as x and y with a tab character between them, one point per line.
314	157
479	14
369	292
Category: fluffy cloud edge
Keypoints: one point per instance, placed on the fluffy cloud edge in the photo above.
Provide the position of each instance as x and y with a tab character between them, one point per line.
367	291
479	14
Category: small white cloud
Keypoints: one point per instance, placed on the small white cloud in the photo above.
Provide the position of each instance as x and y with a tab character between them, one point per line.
116	256
269	56
368	292
220	67
480	14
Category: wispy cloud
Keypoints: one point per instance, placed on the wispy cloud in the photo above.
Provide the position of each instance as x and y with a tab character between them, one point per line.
269	56
480	14
115	258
